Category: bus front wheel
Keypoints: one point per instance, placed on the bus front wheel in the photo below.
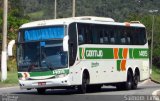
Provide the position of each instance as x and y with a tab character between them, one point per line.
83	88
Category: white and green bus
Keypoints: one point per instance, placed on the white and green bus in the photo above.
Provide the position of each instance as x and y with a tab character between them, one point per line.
84	53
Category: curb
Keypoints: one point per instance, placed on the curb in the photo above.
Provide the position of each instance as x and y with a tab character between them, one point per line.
143	82
156	92
154	81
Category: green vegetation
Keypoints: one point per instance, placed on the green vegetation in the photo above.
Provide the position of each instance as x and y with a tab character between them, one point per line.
12	80
36	15
15	20
155	74
117	9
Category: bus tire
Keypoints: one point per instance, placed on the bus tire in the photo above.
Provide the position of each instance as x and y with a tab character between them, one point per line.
41	90
128	84
135	81
83	88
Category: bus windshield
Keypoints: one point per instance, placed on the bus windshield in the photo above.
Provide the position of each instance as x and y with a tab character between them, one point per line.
40	54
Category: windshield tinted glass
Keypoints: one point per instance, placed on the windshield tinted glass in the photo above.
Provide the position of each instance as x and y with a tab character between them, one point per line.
41	56
53	56
44	33
41	49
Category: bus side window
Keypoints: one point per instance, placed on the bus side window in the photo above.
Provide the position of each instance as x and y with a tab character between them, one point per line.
101	39
132	37
112	39
96	34
106	37
128	38
87	34
143	36
84	34
80	36
106	40
135	37
94	37
123	39
80	39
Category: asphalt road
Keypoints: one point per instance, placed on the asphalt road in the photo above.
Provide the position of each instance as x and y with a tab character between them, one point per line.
107	93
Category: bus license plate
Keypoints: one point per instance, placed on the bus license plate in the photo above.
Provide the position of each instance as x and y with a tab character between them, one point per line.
41	83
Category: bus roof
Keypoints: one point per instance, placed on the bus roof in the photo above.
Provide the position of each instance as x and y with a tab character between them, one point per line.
82	19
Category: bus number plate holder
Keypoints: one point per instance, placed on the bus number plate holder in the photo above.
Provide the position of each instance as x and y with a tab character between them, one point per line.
41	83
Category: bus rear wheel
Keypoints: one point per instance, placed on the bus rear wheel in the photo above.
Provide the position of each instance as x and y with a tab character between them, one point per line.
135	81
41	90
128	84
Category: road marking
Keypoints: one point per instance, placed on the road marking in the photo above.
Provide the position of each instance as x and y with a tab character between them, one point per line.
156	95
155	92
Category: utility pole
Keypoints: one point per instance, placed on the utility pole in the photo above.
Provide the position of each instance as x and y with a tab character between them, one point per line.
152	38
55	9
73	9
4	42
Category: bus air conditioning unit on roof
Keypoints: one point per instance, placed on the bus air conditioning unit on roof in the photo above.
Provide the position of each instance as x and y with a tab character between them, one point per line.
135	22
93	18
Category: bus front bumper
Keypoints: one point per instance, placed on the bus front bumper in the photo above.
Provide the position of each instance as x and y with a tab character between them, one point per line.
48	83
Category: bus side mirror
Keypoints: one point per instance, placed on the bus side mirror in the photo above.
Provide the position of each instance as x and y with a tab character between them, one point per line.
65	43
10	47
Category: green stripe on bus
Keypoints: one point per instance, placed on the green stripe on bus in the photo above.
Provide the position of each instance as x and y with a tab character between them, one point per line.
34	74
118	65
108	53
130	53
80	51
96	53
46	73
140	53
120	53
